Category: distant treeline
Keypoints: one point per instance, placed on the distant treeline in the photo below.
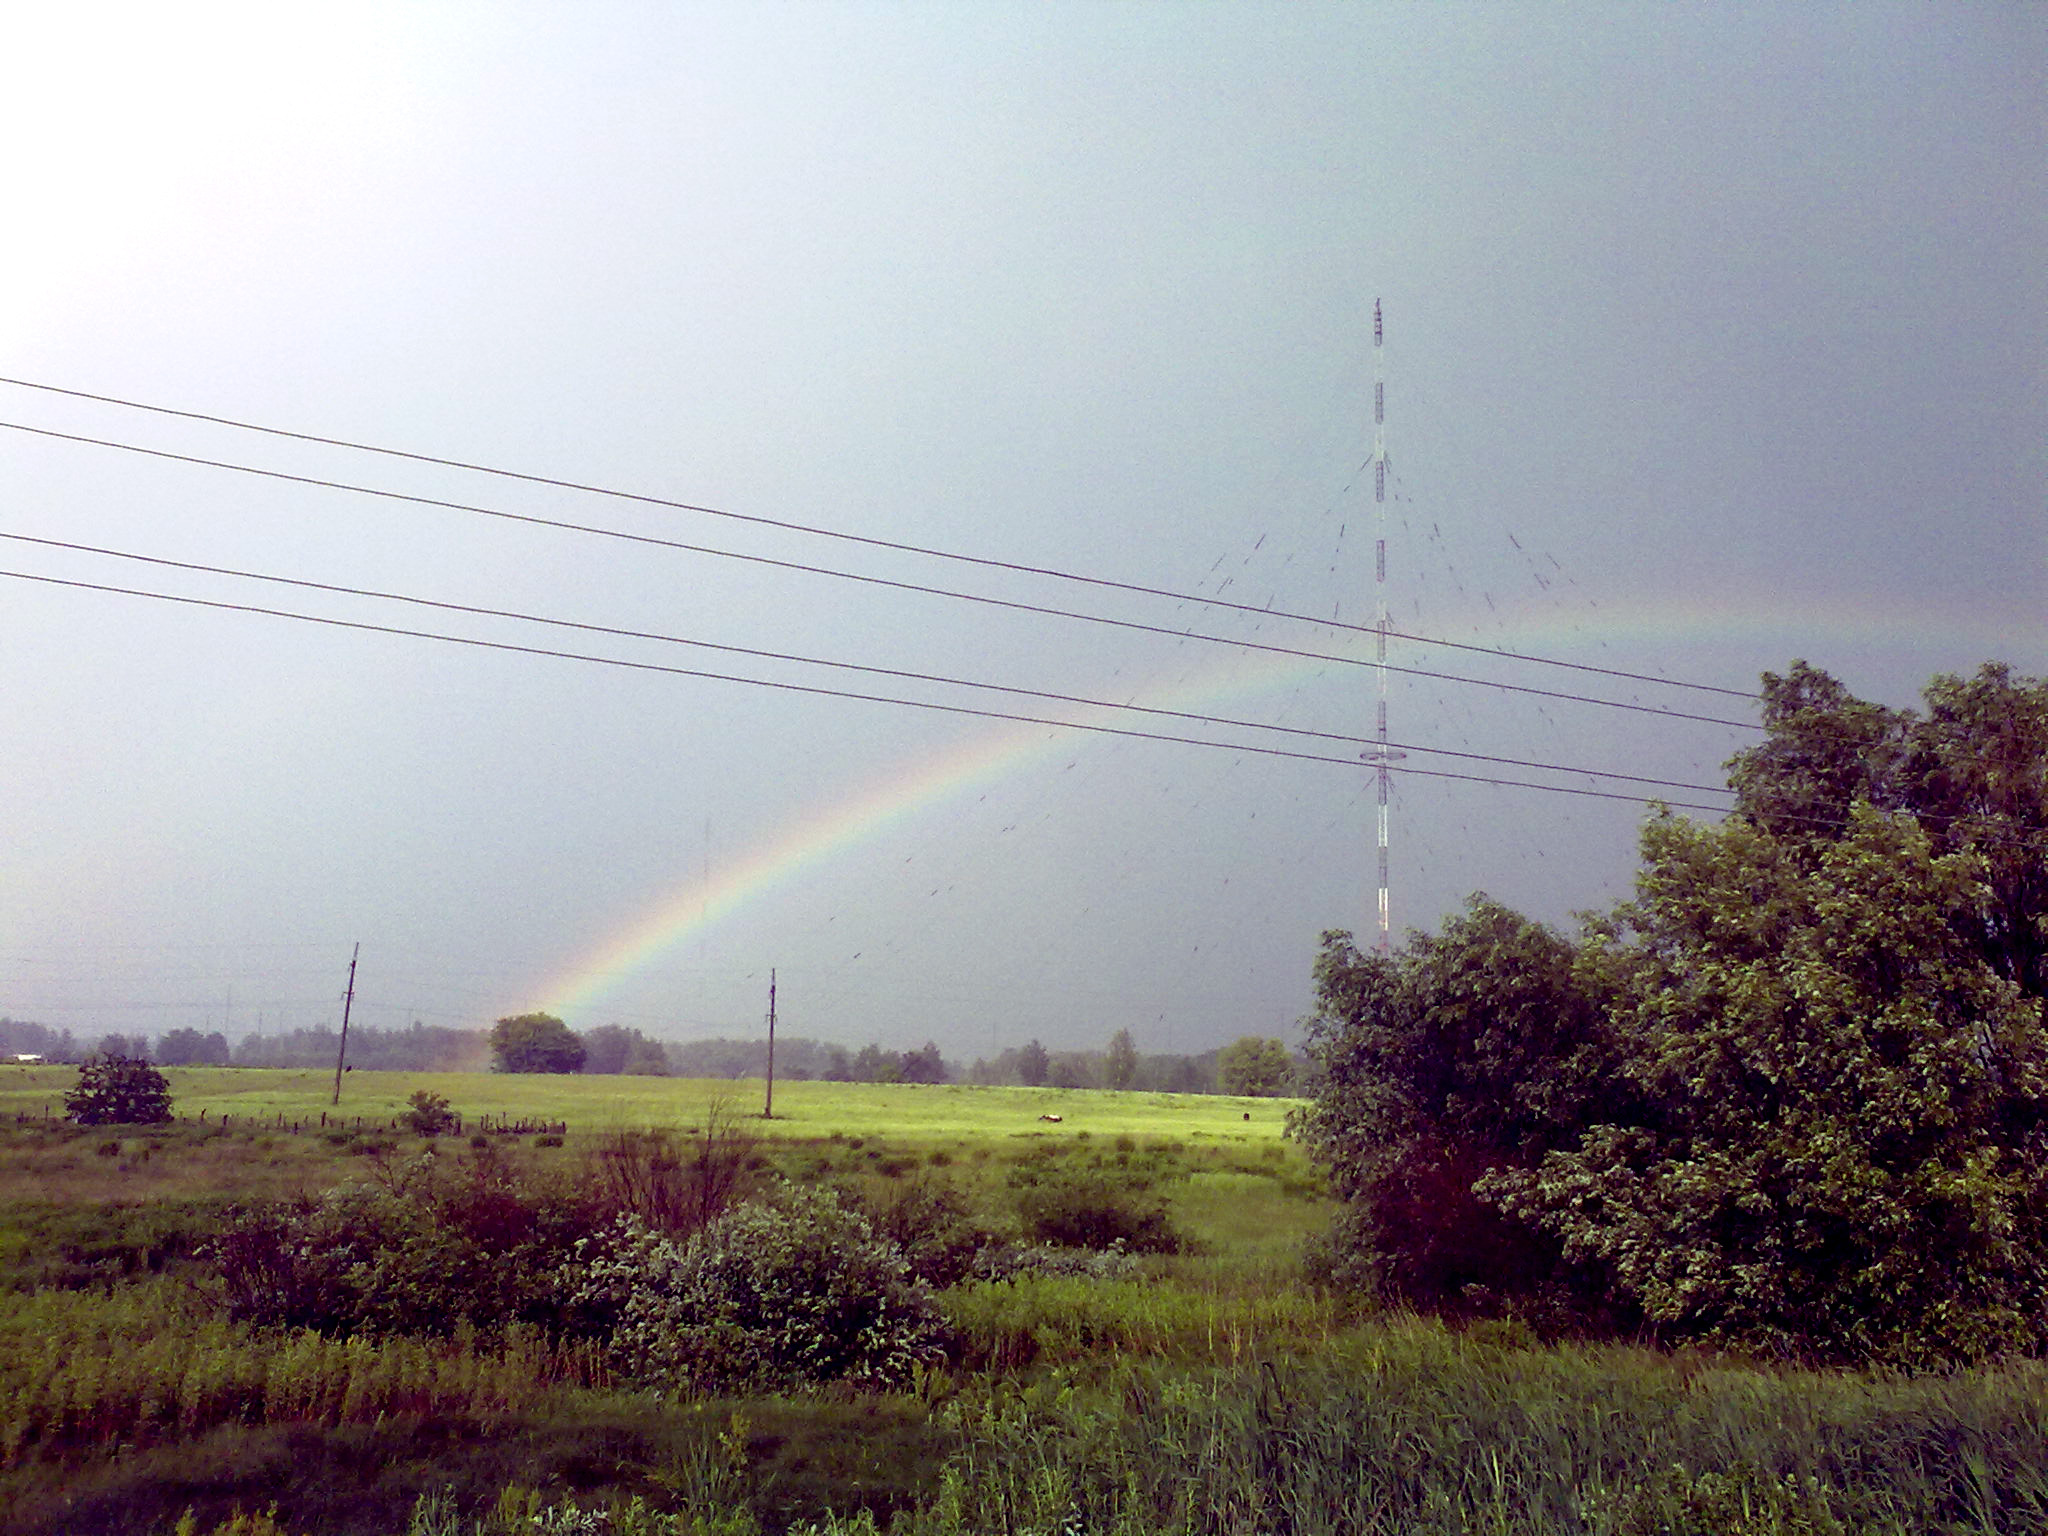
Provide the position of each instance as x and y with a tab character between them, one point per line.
1032	1065
611	1048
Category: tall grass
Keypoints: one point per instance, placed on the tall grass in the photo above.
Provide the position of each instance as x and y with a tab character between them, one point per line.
82	1371
1413	1430
1007	1324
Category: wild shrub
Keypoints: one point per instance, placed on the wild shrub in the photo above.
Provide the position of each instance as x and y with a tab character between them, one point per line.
431	1243
1007	1261
768	1297
677	1183
1097	1210
933	1223
118	1090
430	1114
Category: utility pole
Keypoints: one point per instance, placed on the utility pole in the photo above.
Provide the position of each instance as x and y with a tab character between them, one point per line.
768	1109
347	1002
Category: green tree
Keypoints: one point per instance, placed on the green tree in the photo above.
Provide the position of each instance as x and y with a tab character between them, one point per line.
924	1065
535	1042
647	1058
1971	769
1120	1061
430	1114
1794	1095
1479	1048
118	1090
873	1064
613	1048
189	1048
1255	1066
1843	1109
1033	1064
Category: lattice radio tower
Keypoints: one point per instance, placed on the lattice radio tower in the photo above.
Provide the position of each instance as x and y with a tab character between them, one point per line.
1381	758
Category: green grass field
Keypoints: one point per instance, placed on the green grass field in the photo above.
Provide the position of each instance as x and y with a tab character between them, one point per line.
910	1114
1210	1390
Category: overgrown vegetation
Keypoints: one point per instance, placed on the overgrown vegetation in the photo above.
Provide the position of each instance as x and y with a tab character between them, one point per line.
1793	1097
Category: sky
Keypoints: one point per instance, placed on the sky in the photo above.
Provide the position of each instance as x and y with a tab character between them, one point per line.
1713	338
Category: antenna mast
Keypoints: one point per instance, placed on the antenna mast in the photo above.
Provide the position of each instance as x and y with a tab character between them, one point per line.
1381	758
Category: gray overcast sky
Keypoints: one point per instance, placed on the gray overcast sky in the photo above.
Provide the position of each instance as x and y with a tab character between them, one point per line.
1714	338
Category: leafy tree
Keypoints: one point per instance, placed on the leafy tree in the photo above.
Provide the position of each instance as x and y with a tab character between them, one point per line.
872	1064
536	1042
1067	1071
612	1048
430	1114
1971	769
1033	1064
1841	1109
1794	1095
118	1090
924	1065
647	1058
1120	1061
189	1048
1255	1066
605	1048
1457	1055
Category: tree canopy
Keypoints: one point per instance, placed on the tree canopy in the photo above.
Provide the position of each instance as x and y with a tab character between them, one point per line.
118	1090
536	1042
1120	1061
1254	1066
1794	1095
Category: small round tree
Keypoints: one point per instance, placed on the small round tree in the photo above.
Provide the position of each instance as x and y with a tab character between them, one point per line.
118	1090
536	1042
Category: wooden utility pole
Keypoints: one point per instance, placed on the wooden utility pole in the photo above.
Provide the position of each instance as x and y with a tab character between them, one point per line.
347	1002
768	1109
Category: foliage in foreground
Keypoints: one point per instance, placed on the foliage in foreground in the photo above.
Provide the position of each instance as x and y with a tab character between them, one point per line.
1795	1095
771	1296
80	1371
1404	1429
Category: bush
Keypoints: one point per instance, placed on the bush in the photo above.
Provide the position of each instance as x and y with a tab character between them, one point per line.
424	1249
118	1090
1095	1211
677	1183
430	1114
768	1297
933	1223
1008	1261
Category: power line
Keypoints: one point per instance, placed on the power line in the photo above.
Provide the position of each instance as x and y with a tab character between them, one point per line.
880	581
835	693
845	666
850	538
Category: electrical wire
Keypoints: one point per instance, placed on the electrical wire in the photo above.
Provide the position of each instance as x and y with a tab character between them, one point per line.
853	538
835	693
655	541
847	666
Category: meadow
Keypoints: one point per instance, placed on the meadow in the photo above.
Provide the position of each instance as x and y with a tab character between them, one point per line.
1205	1387
908	1113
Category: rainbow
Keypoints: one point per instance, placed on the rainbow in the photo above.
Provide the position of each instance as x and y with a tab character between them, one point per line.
695	904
